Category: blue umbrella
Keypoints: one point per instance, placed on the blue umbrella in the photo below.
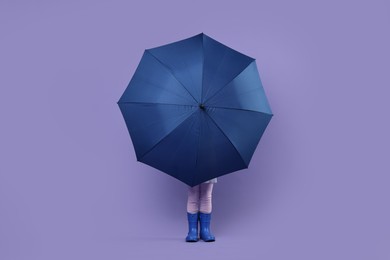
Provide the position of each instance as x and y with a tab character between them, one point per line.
195	109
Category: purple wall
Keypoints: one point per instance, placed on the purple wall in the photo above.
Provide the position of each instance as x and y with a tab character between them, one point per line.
318	184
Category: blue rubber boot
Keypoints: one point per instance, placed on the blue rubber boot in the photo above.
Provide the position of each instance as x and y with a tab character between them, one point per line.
205	232
192	227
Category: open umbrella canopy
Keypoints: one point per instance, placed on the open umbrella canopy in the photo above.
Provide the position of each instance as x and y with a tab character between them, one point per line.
195	109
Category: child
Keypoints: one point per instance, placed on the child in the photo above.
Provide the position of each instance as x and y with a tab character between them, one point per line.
199	208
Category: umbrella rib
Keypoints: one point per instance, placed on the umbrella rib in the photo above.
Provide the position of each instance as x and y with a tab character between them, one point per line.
219	90
165	66
215	73
140	158
246	166
150	103
242	109
201	89
198	144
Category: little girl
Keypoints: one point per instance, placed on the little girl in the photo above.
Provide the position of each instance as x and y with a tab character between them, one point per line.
199	208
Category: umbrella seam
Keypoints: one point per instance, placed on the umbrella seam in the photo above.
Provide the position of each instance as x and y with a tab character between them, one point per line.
167	68
201	90
248	110
183	139
235	148
166	135
141	79
219	90
150	103
216	71
197	149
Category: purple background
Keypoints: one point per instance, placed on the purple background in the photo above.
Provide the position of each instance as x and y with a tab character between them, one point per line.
318	184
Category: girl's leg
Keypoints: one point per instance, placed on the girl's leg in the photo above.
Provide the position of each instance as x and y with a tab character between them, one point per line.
193	213
206	191
193	199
